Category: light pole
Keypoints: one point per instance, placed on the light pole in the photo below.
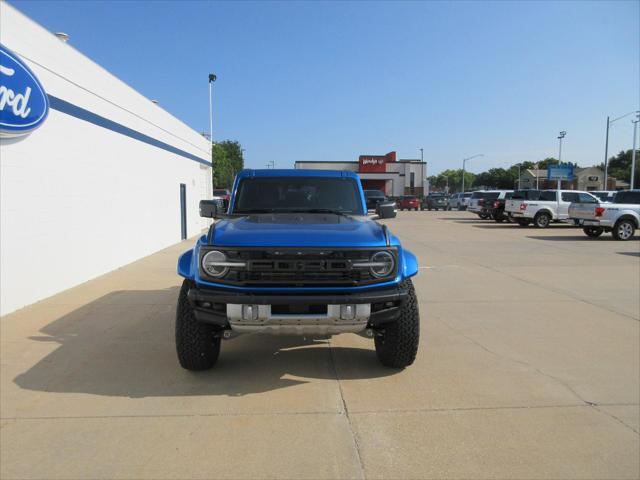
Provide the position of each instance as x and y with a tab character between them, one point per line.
606	147
424	176
464	161
560	137
212	78
633	152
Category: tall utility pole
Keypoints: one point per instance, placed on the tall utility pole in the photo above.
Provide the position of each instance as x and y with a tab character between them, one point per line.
424	174
606	147
560	137
212	78
464	162
633	152
606	154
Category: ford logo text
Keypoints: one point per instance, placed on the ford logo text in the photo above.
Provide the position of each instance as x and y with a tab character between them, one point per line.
24	105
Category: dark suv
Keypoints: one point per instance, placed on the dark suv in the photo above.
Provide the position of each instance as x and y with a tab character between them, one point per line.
496	210
373	198
435	201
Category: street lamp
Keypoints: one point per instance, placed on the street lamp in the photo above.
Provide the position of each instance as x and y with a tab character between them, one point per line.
560	137
212	78
606	146
633	152
464	161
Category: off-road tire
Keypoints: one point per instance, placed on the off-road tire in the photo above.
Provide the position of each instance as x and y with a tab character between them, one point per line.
542	220
593	232
623	229
397	344
197	345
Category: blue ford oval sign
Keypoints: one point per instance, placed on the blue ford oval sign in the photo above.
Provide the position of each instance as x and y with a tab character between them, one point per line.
23	102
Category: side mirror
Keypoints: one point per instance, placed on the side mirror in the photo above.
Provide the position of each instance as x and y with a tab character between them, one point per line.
211	208
386	210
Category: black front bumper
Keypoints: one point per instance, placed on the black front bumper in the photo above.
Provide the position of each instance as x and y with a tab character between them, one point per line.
209	305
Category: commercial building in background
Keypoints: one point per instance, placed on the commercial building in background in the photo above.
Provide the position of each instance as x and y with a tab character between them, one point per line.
588	179
381	172
93	174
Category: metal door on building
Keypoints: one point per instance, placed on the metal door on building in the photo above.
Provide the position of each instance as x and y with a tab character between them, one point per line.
183	211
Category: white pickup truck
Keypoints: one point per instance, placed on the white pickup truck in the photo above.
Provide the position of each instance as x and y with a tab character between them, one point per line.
621	217
541	207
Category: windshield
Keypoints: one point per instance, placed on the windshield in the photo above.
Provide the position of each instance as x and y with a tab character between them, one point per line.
373	194
298	194
601	195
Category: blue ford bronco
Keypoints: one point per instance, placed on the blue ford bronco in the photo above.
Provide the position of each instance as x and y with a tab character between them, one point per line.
296	254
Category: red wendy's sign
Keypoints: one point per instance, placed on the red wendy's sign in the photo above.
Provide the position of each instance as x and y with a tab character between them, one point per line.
375	163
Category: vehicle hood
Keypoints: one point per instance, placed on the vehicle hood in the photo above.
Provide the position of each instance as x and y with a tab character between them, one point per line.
298	230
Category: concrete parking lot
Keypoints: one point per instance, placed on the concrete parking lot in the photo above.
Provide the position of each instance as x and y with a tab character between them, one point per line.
529	367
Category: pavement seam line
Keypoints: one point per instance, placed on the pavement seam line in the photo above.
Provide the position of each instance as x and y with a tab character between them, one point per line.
611	415
521	362
346	411
363	412
474	409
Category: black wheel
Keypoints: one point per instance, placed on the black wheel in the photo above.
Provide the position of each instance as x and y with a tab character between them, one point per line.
402	209
429	208
523	222
542	220
623	229
197	345
593	232
397	343
483	216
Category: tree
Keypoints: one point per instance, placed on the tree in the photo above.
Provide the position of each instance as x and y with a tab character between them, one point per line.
234	154
620	166
227	161
453	178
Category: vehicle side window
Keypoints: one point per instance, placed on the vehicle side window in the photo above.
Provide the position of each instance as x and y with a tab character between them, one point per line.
569	197
508	195
547	196
630	197
586	198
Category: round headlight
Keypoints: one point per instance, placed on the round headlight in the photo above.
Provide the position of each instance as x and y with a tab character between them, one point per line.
211	261
384	264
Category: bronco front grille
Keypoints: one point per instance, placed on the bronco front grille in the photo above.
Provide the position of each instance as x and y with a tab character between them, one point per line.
280	267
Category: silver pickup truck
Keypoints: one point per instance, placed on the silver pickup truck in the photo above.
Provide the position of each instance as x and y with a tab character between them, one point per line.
541	207
621	217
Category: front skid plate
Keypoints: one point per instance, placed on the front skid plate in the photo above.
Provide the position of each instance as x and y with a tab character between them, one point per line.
260	319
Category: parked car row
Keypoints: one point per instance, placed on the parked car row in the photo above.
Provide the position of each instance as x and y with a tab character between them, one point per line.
618	214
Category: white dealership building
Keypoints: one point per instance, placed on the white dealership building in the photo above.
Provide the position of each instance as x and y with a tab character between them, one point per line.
93	174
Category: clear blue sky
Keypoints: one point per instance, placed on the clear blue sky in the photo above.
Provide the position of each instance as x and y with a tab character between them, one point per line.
332	80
